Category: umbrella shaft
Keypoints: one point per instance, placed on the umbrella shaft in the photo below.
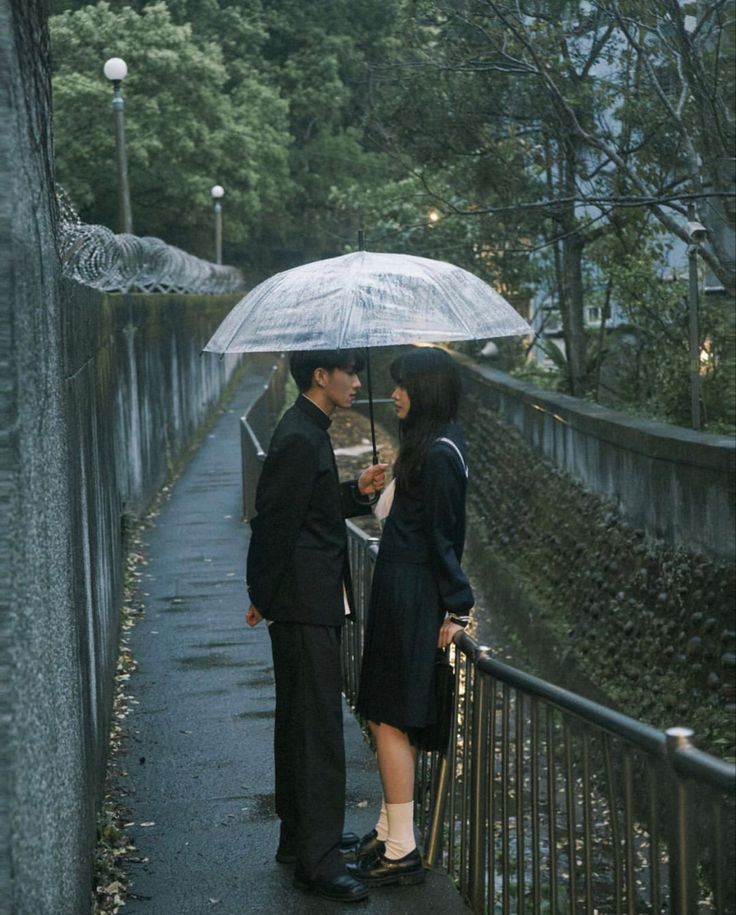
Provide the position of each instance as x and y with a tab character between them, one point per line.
370	403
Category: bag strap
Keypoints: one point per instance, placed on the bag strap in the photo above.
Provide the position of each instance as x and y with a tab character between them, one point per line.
449	441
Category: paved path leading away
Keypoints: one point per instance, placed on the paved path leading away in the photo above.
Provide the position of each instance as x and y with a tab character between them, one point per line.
199	755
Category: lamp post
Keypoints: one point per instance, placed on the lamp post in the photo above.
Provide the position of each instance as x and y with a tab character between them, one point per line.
115	70
217	194
697	233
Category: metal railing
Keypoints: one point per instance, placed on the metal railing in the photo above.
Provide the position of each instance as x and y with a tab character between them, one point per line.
549	803
546	802
256	428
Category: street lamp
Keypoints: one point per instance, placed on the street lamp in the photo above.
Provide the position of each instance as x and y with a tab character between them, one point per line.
115	70
697	234
217	194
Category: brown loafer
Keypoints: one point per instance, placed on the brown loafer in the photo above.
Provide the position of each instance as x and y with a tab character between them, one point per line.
368	848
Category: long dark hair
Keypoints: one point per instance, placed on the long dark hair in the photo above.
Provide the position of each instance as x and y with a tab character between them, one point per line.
431	378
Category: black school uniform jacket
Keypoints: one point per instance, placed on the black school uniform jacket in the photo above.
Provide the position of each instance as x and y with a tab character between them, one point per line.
297	559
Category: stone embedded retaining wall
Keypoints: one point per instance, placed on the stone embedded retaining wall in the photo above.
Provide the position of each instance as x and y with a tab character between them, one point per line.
673	483
565	558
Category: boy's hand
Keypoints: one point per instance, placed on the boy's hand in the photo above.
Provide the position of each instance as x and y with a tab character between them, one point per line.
253	616
372	480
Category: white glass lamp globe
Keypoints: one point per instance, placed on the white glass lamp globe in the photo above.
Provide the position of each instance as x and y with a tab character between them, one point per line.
217	191
115	68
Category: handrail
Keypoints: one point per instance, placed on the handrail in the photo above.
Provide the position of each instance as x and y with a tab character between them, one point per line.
689	761
537	777
639	734
255	433
546	798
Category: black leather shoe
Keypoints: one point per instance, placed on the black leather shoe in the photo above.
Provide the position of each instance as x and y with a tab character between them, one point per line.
286	853
348	840
343	888
382	871
369	848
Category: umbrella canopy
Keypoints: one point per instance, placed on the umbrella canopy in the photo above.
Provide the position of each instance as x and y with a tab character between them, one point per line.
365	299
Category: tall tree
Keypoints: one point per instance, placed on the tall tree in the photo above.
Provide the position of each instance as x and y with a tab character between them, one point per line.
598	100
190	124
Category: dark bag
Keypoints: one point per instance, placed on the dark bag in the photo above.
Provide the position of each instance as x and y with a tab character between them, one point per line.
436	737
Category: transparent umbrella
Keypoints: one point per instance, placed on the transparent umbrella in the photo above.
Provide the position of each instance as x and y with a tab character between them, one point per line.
365	299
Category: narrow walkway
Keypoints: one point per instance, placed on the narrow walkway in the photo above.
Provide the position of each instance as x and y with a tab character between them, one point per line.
199	755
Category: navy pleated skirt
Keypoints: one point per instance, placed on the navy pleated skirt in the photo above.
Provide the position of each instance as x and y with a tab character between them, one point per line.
404	619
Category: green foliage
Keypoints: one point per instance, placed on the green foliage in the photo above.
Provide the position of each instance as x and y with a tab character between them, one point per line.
649	366
322	57
185	132
533	373
466	132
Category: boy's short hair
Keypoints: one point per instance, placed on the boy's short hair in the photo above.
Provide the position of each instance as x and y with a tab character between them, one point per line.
303	364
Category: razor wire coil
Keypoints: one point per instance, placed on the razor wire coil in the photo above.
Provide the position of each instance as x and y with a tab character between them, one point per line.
95	256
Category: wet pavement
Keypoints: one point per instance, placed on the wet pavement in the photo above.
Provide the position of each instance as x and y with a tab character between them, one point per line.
198	758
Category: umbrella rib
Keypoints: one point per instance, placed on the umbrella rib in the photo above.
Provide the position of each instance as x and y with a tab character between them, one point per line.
351	293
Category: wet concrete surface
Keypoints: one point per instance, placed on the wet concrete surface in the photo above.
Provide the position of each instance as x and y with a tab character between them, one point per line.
199	755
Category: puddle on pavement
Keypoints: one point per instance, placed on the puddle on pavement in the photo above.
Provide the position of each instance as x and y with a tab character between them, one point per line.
207	661
218	644
269	713
256	681
210	583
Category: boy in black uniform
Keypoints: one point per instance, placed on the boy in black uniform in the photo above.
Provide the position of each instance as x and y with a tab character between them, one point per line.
299	580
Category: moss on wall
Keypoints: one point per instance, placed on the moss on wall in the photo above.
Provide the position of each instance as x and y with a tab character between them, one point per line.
648	626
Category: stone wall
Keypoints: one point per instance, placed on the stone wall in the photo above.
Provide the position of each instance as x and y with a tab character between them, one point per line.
597	601
44	822
130	395
99	399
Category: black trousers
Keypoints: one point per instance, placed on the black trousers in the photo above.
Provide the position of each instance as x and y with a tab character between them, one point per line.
309	748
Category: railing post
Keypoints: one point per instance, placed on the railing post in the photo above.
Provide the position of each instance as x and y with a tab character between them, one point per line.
682	854
478	832
433	845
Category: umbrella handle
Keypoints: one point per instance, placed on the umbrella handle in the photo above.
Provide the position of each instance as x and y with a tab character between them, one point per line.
370	403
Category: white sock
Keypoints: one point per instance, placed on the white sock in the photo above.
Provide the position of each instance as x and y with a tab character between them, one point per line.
400	839
381	826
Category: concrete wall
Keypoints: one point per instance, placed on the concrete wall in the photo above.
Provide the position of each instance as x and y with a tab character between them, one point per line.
632	607
136	358
673	483
44	845
99	397
136	393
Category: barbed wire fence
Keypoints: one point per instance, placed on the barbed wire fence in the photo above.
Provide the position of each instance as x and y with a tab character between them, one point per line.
96	256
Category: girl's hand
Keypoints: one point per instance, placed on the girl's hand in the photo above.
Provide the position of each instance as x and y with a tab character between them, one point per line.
448	631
